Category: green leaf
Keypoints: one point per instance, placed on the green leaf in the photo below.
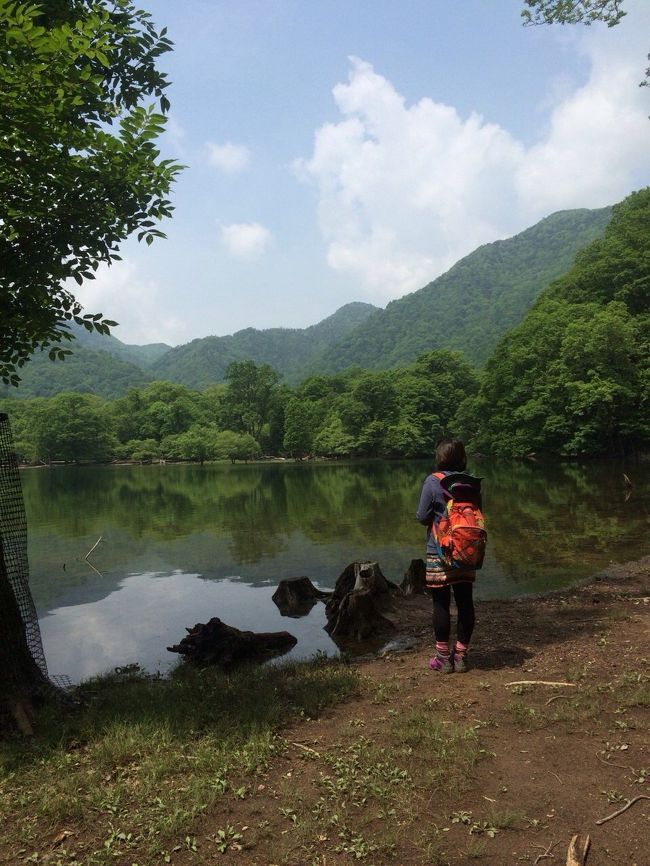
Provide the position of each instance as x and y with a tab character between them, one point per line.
80	98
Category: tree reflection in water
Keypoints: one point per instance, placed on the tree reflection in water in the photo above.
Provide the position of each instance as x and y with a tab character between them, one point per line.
548	524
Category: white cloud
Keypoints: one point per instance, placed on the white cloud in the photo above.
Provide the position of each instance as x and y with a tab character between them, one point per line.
121	293
599	136
176	136
407	190
228	158
245	240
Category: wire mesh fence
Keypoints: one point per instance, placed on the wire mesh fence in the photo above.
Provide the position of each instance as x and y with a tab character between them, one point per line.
13	542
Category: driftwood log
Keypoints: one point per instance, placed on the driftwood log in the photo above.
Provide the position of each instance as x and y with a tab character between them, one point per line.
414	582
361	598
578	850
217	643
296	596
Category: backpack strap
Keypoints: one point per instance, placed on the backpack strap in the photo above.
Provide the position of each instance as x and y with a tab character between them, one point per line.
440	476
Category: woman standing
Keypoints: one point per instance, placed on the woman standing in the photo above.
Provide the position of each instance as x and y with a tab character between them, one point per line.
441	577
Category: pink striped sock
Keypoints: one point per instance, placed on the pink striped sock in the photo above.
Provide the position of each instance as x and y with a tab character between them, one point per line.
461	648
442	647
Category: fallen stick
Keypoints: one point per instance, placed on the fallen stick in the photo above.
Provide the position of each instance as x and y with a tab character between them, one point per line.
624	808
93	547
548	852
612	764
554	698
307	749
96	570
578	850
538	683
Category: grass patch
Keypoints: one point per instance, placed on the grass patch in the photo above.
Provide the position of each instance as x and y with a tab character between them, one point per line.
589	703
385	691
447	752
633	689
131	769
366	799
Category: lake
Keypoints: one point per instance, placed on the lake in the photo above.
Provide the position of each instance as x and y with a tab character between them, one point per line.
183	543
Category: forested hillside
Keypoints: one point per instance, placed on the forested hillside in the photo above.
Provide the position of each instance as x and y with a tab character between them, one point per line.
466	309
394	413
99	364
574	377
105	366
474	303
142	356
288	350
85	371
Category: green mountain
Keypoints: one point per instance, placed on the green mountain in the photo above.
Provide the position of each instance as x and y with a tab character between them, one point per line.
574	377
141	356
86	371
288	350
99	364
105	366
468	308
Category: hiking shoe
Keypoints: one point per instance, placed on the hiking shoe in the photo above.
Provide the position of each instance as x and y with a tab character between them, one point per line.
442	664
459	663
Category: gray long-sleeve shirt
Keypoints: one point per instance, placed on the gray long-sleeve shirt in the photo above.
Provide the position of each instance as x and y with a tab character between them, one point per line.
433	503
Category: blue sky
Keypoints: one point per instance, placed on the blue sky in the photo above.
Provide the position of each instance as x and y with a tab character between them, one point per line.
353	150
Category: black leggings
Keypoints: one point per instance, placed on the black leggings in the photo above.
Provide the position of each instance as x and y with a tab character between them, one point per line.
464	603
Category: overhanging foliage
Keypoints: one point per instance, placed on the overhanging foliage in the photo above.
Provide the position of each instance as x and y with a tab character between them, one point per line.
79	167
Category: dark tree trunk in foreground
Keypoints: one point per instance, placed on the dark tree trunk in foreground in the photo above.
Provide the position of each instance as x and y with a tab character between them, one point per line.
217	643
361	598
20	677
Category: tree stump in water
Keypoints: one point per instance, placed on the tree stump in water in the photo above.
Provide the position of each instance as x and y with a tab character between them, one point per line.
361	596
414	582
296	596
217	643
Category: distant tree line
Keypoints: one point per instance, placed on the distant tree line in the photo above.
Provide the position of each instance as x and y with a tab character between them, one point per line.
396	413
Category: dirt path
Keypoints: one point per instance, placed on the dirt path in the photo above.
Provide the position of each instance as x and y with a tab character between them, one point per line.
422	768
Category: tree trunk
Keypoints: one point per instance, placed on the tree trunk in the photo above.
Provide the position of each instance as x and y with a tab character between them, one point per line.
215	642
361	597
414	578
296	596
20	677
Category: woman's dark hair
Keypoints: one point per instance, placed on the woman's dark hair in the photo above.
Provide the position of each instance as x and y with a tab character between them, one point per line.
450	455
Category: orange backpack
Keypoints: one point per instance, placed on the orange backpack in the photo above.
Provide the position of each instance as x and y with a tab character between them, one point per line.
460	535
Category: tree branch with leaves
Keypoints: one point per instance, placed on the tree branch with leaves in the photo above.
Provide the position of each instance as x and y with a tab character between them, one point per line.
79	167
587	12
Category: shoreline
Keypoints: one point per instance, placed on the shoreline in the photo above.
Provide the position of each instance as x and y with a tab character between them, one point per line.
379	761
538	459
413	613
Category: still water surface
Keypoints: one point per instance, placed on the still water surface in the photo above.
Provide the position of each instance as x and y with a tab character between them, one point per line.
184	543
